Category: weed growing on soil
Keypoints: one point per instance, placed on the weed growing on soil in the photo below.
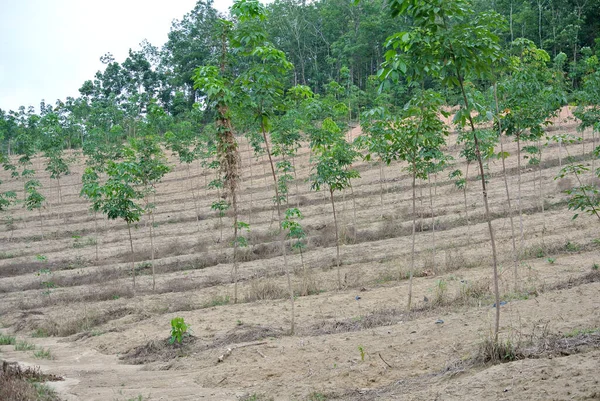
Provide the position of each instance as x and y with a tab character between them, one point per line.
43	354
7	340
316	396
579	332
441	287
217	300
361	349
39	333
256	397
24	346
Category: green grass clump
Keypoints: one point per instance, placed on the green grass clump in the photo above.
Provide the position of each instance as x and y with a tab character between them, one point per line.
579	332
217	301
7	340
43	354
24	346
39	333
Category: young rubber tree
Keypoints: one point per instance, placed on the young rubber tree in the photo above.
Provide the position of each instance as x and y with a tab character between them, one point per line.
296	233
449	41
373	141
91	190
527	97
262	84
217	84
588	108
582	198
34	200
183	142
121	198
416	137
255	85
151	168
7	199
332	170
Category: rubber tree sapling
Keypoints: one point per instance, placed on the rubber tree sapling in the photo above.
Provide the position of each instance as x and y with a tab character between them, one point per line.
183	143
91	191
450	41
296	233
151	168
121	198
334	156
527	96
218	86
34	200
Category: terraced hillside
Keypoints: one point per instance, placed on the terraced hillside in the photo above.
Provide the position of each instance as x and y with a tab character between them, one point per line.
71	293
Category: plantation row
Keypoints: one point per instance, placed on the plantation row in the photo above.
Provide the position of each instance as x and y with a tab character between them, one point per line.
506	97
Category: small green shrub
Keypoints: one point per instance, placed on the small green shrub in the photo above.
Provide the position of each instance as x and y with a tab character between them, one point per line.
595	266
143	268
316	396
43	354
362	353
572	247
551	260
179	330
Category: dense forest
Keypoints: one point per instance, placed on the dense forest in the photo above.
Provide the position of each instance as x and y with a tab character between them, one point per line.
333	46
293	73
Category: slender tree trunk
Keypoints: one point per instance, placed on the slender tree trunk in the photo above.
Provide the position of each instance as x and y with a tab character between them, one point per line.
594	147
414	230
337	240
541	188
381	188
353	205
96	232
487	212
432	223
296	181
304	274
522	241
510	212
421	209
194	197
60	202
41	222
251	181
282	238
466	205
152	250
132	256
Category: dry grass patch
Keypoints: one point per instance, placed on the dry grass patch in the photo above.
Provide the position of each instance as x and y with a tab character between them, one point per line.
244	333
159	350
264	289
543	346
18	384
66	326
377	318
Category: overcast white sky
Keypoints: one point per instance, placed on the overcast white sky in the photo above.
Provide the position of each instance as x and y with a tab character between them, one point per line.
48	48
